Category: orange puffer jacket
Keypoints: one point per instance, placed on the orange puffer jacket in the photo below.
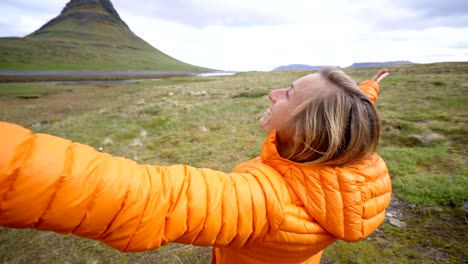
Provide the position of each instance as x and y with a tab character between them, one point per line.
268	210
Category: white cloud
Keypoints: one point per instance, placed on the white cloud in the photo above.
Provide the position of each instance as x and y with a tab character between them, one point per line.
22	17
206	13
417	14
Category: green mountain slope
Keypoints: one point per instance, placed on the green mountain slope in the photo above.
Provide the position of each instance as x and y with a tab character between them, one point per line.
88	34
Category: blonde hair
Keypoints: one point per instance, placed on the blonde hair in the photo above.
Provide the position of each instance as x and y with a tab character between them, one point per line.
335	127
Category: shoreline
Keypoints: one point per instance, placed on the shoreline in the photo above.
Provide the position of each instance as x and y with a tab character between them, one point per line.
7	76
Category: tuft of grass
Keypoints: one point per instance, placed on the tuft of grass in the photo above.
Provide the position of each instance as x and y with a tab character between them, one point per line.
438	83
404	161
364	252
251	94
433	190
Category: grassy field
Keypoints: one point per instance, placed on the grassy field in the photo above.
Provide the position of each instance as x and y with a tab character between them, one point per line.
85	39
212	122
52	54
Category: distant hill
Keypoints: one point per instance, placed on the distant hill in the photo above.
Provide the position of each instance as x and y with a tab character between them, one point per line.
297	67
378	64
88	34
305	67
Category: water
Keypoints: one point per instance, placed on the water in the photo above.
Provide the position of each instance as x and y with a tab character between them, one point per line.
106	81
97	77
210	74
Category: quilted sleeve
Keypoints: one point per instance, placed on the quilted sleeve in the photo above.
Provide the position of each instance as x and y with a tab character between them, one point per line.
54	184
371	89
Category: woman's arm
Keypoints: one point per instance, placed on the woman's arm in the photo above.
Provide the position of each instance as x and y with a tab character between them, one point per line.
54	184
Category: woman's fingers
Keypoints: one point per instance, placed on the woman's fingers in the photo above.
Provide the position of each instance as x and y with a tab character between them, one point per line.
380	75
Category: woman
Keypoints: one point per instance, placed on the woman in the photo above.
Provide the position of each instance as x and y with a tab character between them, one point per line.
317	179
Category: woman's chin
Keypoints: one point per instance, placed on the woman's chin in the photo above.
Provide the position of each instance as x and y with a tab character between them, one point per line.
264	125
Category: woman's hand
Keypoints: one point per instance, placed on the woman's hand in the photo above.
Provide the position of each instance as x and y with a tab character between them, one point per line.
380	75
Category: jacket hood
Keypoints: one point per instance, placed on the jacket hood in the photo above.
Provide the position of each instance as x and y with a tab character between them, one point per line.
347	201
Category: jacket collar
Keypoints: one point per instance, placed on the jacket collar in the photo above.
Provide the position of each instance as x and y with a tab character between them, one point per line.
270	156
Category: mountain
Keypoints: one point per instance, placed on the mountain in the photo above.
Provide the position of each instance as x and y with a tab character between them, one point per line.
90	35
297	67
305	67
378	64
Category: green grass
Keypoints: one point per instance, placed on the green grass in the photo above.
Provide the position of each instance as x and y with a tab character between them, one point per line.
212	122
50	54
29	89
434	190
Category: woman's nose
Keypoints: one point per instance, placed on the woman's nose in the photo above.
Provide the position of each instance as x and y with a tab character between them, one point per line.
272	96
275	94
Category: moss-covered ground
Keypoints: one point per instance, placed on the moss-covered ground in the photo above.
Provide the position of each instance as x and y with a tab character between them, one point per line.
212	122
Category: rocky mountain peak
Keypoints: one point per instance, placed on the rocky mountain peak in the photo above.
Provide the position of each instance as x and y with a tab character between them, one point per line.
84	11
75	5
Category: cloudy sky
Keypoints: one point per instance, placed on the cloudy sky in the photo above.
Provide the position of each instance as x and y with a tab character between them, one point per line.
264	34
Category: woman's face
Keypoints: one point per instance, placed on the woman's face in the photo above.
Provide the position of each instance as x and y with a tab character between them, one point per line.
285	100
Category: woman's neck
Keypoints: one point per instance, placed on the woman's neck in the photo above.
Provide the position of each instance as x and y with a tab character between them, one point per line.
283	145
